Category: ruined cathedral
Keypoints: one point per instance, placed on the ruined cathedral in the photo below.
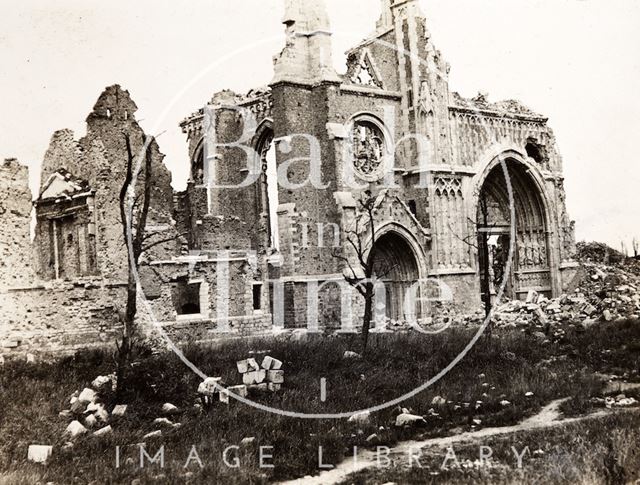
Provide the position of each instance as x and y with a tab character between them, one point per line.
467	195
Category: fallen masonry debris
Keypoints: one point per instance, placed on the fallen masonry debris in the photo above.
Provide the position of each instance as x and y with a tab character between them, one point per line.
265	377
39	453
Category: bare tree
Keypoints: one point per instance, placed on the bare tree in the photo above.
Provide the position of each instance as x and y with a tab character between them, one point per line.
362	276
636	247
134	213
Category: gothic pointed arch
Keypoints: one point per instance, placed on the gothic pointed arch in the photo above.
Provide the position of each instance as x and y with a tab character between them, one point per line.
512	217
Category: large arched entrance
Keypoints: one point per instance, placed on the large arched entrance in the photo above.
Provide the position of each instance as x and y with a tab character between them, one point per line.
396	266
530	269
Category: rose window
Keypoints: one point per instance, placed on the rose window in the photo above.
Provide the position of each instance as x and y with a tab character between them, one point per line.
367	142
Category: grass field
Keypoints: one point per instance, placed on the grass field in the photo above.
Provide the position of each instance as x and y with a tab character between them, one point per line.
509	366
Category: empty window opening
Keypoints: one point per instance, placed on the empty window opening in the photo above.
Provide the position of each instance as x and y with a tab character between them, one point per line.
413	207
535	151
257	297
186	298
269	186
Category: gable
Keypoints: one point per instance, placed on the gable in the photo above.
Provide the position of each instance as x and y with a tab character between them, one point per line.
62	184
363	70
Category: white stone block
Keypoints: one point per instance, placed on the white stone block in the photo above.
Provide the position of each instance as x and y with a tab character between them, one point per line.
103	431
100	382
169	408
360	418
270	363
39	453
405	419
87	396
90	421
163	422
254	377
208	386
75	428
119	410
247	365
275	376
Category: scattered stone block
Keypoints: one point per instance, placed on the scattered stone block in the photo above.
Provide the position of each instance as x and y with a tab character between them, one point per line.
153	434
210	386
10	344
269	363
372	439
273	387
31	359
406	419
255	377
438	401
66	414
168	408
100	382
103	431
348	354
39	453
240	390
541	316
77	407
75	428
504	403
101	414
262	387
360	418
119	410
92	407
247	441
90	421
275	376
247	365
607	316
163	422
87	395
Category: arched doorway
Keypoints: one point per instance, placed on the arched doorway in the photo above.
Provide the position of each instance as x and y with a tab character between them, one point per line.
396	266
530	269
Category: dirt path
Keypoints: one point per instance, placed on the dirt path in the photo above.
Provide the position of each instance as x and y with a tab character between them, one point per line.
548	417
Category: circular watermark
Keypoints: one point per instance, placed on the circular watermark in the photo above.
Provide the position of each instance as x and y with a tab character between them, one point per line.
502	159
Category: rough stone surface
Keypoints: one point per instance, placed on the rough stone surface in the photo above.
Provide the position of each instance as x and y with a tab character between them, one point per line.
75	428
63	291
39	453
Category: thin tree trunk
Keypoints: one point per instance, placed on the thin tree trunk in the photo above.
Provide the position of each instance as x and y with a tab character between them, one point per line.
368	314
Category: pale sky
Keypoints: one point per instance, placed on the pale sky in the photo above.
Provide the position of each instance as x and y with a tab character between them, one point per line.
576	61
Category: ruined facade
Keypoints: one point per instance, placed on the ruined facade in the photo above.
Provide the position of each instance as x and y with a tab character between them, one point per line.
459	185
443	204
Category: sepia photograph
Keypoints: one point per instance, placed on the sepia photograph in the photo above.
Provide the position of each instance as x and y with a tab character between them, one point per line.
319	242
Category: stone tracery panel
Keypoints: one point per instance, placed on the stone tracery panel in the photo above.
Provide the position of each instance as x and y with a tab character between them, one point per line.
451	224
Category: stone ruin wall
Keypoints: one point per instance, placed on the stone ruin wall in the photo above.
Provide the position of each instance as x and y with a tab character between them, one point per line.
38	313
15	213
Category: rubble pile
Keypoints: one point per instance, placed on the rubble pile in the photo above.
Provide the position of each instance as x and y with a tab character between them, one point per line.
265	377
607	293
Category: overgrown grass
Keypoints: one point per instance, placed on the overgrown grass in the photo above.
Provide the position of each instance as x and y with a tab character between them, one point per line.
505	368
595	451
